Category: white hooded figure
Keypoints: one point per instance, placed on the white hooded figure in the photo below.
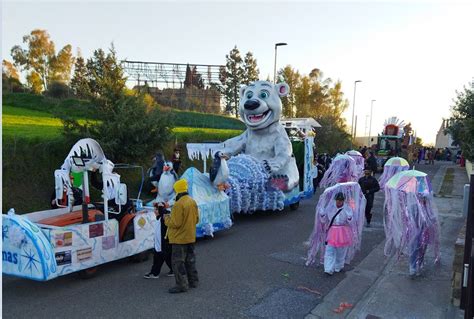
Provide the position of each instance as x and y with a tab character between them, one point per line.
339	234
265	138
165	185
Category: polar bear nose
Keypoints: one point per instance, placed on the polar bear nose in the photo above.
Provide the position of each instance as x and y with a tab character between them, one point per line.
251	104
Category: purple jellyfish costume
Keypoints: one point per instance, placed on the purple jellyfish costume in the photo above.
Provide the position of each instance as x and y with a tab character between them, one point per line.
393	166
343	169
359	159
411	219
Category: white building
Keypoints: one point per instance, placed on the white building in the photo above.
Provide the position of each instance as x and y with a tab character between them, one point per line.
443	140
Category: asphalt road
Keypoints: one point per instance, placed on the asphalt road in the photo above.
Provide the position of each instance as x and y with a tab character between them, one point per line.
255	269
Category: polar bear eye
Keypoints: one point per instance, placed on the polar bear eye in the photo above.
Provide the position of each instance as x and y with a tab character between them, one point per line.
249	94
264	94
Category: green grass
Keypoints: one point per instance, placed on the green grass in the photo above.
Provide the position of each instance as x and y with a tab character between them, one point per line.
84	109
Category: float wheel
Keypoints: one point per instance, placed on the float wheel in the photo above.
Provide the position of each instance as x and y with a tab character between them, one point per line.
295	206
88	273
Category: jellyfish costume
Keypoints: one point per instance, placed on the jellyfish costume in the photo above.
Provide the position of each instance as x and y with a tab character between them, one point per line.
343	169
411	220
359	159
355	201
393	166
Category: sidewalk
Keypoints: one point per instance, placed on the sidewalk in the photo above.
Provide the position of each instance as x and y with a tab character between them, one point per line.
380	287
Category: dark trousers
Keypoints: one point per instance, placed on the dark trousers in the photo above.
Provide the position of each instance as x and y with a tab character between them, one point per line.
368	209
159	258
183	261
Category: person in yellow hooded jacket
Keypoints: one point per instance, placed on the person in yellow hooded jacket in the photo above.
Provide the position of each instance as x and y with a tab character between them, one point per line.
182	235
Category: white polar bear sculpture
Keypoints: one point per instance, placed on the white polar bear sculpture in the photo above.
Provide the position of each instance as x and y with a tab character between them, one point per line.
265	138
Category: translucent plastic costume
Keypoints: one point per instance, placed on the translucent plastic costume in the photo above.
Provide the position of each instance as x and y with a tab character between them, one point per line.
411	219
326	208
393	166
359	159
343	169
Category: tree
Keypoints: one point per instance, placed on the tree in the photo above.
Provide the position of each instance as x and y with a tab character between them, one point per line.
127	126
193	78
61	65
79	82
232	77
10	78
34	82
314	96
461	123
105	77
251	71
40	61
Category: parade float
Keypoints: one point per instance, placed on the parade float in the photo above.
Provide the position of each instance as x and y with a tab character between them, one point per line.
258	169
389	143
46	244
410	218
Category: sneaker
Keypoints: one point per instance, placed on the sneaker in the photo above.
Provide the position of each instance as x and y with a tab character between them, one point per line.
329	273
151	276
170	274
176	290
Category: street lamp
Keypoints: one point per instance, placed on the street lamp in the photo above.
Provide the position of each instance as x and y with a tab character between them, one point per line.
275	68
370	126
353	112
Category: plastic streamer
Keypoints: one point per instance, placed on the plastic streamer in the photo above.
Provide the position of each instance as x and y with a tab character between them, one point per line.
359	159
356	201
250	189
410	218
391	168
343	169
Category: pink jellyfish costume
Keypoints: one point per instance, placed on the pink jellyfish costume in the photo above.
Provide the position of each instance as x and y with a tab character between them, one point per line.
393	166
411	219
359	159
339	247
343	169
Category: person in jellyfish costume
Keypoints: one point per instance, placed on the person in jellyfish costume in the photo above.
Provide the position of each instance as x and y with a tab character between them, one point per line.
393	166
320	240
359	159
411	219
343	169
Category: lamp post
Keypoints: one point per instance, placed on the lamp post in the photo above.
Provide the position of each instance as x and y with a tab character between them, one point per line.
275	67
370	126
353	112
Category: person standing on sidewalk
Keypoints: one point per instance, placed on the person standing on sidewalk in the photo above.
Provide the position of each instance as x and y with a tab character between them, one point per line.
182	236
339	235
369	186
162	252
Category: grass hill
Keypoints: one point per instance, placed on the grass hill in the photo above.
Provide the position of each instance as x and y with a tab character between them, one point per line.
33	146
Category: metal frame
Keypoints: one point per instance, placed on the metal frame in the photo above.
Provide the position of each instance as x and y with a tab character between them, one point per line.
172	75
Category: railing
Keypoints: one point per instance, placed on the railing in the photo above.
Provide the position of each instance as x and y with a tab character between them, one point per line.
467	291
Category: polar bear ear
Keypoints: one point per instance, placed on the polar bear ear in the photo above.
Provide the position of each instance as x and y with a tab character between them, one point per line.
282	89
242	90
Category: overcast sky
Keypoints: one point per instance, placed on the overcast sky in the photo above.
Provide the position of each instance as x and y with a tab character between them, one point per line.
410	56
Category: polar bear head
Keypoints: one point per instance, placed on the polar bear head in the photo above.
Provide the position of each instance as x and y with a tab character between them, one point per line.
260	103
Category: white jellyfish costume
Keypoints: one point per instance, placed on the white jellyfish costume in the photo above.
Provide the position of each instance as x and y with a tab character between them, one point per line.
359	159
342	169
411	219
355	201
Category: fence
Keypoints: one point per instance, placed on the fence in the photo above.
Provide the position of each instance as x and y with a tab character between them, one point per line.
467	291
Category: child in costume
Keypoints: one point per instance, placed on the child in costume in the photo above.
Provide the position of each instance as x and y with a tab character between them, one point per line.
338	225
339	235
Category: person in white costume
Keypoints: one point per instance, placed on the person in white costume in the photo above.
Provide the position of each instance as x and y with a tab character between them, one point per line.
339	236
